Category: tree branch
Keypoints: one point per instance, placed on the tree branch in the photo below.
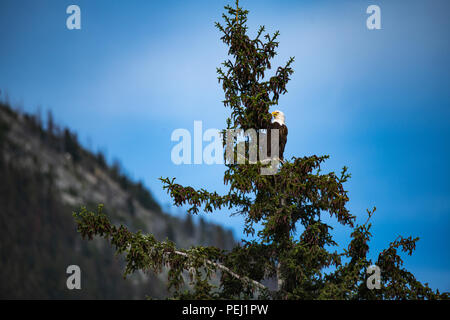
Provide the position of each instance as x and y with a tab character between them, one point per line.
222	267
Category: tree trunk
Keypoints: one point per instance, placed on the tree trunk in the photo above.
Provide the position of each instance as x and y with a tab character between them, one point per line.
280	279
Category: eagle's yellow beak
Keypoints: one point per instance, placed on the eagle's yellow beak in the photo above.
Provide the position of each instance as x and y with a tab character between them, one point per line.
274	114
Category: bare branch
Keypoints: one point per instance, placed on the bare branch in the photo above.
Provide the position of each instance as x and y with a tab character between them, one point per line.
222	267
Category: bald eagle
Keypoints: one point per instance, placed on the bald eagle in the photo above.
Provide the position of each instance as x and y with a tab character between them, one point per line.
278	123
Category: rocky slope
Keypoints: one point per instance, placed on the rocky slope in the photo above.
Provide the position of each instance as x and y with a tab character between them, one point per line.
45	174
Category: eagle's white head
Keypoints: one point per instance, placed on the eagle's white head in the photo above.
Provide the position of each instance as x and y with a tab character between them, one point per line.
278	116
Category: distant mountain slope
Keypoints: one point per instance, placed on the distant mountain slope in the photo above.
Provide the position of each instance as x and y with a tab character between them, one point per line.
45	174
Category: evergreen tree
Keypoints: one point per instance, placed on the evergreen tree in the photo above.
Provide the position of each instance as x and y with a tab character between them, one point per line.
295	198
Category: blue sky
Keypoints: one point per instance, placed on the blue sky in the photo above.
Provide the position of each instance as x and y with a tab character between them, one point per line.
377	101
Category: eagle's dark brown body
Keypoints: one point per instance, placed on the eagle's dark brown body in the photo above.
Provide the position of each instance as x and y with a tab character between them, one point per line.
283	132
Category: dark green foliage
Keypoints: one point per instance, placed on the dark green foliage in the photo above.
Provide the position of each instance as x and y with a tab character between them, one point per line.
246	92
144	252
296	198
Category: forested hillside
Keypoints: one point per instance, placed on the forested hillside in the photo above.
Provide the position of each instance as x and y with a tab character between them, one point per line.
45	174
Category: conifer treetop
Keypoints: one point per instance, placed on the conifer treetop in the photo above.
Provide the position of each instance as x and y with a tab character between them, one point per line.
294	244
